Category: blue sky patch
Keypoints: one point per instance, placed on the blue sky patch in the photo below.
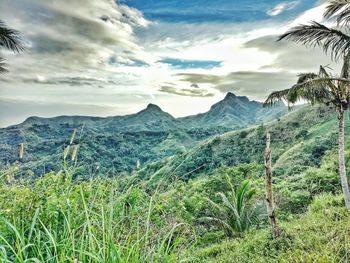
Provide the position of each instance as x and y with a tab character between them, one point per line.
199	11
191	64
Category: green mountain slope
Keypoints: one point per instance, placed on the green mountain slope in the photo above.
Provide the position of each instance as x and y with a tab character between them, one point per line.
114	144
296	145
235	112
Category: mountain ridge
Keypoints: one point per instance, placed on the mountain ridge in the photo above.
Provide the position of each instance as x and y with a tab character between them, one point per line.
232	112
236	111
118	142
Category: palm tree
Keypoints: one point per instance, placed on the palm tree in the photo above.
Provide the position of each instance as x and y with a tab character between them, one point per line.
236	212
323	88
335	41
339	10
332	40
9	39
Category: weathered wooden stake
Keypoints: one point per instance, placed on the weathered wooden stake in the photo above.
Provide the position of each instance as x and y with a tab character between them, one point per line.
269	192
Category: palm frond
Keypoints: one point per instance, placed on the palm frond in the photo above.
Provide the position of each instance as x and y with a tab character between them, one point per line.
313	91
215	205
332	41
3	66
250	194
10	38
234	211
230	205
276	96
327	76
229	182
219	222
339	10
241	194
345	71
323	73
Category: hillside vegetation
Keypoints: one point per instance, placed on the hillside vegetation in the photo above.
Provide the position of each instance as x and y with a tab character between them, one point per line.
149	187
113	145
121	219
299	141
160	212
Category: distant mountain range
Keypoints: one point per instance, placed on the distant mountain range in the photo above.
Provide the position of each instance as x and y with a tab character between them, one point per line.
231	112
235	112
116	143
296	145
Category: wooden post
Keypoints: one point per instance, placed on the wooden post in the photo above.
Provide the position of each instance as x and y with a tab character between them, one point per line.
269	192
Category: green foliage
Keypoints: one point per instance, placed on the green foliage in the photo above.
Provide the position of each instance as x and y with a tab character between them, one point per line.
320	235
292	151
112	146
56	220
237	211
125	219
154	214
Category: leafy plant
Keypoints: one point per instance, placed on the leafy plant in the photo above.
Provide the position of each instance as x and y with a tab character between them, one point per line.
9	39
237	211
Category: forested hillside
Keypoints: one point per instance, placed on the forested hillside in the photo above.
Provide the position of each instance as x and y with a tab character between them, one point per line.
115	144
170	210
244	182
299	141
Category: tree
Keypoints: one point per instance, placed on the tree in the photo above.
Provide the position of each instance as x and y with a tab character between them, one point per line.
339	10
236	212
9	39
337	42
332	40
324	88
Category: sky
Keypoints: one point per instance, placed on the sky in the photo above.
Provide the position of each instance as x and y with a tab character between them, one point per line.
107	58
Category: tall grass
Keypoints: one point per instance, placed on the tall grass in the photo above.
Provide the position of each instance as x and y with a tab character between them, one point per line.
96	221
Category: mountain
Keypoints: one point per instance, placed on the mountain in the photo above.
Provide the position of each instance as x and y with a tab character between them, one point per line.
115	144
152	118
235	112
299	141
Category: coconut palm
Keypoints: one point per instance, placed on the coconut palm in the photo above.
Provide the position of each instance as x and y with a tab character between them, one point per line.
9	39
333	40
339	10
323	88
236	212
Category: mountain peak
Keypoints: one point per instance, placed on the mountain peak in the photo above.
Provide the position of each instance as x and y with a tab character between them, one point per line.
230	95
152	106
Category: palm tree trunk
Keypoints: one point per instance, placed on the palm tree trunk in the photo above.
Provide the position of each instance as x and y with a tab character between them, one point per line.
342	167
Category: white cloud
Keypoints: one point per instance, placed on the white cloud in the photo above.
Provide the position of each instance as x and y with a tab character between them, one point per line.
280	8
77	46
67	35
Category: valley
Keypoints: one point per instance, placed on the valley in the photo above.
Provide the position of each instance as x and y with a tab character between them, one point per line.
115	144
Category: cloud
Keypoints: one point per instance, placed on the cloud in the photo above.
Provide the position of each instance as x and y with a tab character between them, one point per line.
255	84
186	91
289	56
65	35
280	8
199	78
71	81
76	46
